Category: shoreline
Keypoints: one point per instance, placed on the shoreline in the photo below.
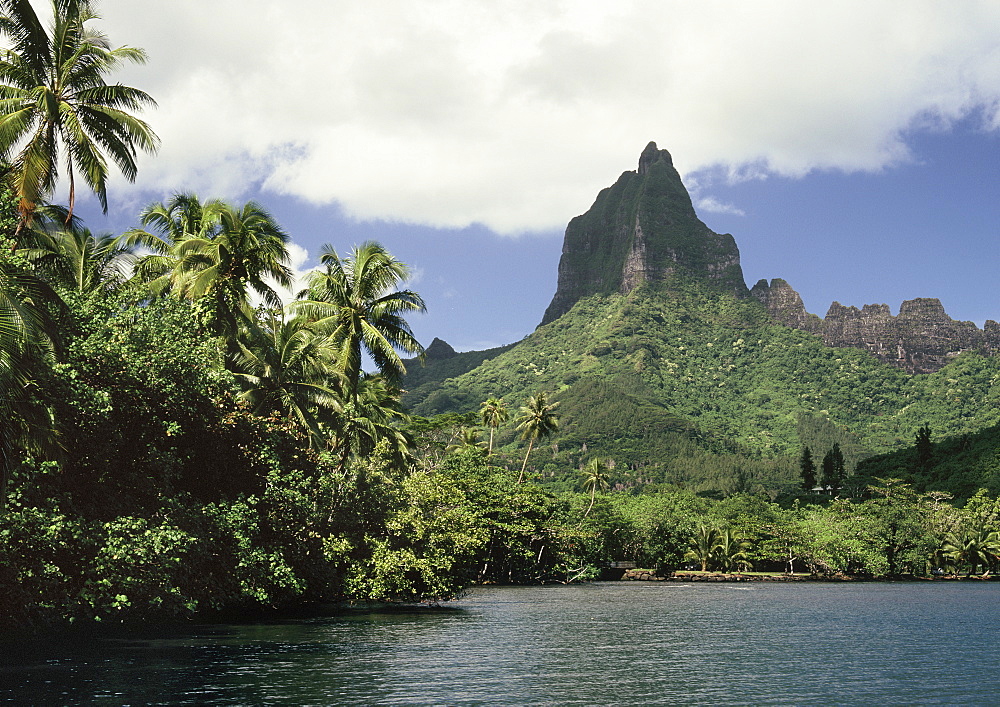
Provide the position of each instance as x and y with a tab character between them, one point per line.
639	575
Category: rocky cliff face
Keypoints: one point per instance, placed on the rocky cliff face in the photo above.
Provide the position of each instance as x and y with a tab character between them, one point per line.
644	228
785	305
439	350
922	338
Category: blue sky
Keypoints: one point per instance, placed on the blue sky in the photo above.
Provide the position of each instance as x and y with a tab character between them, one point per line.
930	228
852	148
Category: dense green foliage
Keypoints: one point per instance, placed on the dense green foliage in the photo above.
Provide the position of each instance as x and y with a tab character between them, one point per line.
959	465
680	376
170	450
57	111
171	495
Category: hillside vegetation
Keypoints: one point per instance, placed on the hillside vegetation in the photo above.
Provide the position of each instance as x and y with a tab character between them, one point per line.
679	383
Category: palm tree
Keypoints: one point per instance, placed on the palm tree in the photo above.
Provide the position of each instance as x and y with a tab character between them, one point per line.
214	254
537	420
165	226
27	334
25	318
75	258
373	416
730	552
56	108
247	250
467	438
595	476
703	545
494	413
284	366
357	301
975	546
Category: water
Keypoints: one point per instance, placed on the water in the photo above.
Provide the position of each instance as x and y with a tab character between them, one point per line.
604	643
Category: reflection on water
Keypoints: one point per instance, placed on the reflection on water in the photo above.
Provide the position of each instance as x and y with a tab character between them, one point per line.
603	643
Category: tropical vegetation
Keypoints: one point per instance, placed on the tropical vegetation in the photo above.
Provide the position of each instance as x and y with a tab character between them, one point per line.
178	440
57	111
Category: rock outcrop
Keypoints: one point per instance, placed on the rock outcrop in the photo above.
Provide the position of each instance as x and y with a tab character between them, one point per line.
439	349
922	338
785	305
644	228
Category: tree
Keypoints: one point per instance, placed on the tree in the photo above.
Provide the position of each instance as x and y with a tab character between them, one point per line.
730	552
56	107
28	333
537	420
284	366
214	254
494	413
703	544
595	476
75	258
165	225
248	249
807	470
834	472
924	450
972	547
357	302
372	416
466	439
894	523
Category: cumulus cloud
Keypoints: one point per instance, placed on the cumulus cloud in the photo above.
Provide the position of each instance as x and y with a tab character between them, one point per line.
513	115
713	205
297	259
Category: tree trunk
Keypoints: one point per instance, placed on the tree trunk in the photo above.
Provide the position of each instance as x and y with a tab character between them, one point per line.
525	465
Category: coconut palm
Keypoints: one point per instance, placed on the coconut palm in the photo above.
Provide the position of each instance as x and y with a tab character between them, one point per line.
25	314
972	546
214	254
26	422
373	415
27	334
537	420
165	226
56	109
494	413
75	258
595	476
467	438
357	301
247	250
703	545
730	552
284	366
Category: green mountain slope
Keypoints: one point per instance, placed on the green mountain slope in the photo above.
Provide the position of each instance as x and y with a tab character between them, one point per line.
662	360
959	465
675	373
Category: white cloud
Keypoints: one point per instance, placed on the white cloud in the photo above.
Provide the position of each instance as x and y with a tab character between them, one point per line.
713	205
514	114
415	278
298	257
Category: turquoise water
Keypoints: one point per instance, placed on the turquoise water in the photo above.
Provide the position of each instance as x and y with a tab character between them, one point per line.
603	643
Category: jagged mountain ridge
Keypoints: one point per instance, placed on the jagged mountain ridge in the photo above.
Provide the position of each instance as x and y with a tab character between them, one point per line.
651	313
644	229
922	338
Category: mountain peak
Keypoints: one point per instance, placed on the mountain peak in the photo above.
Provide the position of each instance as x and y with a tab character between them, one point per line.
642	229
651	155
440	349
